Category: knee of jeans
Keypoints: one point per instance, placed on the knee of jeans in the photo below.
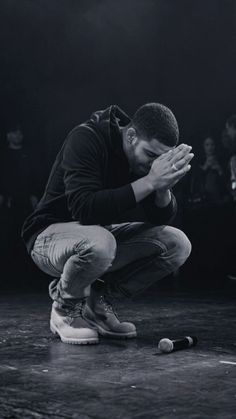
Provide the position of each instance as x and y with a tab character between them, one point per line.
182	245
105	248
102	250
177	243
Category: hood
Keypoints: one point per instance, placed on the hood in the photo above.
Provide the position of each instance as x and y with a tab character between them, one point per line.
108	122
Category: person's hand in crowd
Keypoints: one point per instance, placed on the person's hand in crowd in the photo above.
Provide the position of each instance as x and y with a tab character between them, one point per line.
212	163
170	167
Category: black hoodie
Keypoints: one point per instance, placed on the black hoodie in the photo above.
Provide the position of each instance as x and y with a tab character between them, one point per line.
90	181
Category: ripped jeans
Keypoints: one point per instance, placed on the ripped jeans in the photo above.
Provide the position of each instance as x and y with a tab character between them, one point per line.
128	257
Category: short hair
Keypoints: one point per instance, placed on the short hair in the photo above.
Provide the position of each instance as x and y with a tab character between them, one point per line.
154	120
231	121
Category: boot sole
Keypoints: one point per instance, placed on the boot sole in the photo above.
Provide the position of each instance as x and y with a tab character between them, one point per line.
85	341
106	333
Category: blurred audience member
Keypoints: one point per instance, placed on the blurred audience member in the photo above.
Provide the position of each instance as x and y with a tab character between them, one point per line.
232	166
229	143
229	140
17	183
208	180
229	135
17	198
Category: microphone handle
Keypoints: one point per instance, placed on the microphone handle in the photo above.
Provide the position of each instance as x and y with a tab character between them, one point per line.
184	343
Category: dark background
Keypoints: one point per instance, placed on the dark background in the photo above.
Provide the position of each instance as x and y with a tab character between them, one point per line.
63	59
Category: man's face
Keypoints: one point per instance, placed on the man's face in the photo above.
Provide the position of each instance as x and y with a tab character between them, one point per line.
141	153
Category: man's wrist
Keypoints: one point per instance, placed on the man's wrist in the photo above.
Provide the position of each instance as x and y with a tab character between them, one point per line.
163	198
148	183
142	188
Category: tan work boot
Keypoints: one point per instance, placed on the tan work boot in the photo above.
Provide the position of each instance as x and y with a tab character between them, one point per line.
100	314
70	325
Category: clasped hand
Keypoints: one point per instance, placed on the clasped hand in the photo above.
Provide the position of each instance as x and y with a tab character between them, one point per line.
170	167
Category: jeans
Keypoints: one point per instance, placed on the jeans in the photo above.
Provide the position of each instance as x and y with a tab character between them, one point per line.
128	257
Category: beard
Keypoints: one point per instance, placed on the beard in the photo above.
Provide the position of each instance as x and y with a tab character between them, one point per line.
140	170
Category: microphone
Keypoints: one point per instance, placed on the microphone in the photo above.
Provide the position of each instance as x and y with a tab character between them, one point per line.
166	345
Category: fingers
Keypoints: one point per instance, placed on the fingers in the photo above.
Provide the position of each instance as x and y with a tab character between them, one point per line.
180	173
176	153
180	153
179	164
173	165
180	176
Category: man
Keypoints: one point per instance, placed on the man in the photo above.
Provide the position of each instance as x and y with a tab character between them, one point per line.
100	225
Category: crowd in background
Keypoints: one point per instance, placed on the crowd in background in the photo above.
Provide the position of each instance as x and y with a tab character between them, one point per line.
213	177
206	198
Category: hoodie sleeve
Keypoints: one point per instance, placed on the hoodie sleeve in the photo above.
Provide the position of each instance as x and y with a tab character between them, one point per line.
83	163
157	215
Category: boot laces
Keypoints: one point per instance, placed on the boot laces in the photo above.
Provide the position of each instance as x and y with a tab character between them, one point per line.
77	309
107	305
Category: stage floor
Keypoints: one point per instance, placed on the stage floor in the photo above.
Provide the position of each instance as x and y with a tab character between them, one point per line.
40	377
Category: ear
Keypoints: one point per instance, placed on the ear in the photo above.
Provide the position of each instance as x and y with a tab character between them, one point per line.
131	135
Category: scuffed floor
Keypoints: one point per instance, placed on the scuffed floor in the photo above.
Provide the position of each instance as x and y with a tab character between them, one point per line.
40	377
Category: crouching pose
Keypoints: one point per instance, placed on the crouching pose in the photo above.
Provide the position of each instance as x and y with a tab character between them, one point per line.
100	229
